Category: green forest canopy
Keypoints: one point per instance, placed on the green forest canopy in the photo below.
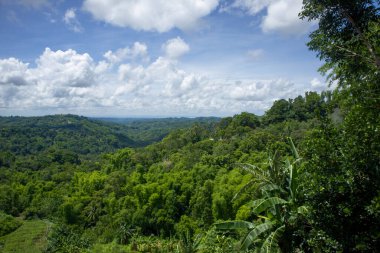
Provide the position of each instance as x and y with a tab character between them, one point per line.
304	177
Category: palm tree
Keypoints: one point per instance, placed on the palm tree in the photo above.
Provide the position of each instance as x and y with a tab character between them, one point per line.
279	210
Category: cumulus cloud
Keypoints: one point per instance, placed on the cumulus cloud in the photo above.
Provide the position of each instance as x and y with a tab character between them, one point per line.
281	15
72	82
60	78
317	85
131	79
150	15
261	90
65	68
13	72
70	19
137	51
14	75
175	48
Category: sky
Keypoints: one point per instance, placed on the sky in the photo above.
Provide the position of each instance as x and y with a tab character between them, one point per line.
153	58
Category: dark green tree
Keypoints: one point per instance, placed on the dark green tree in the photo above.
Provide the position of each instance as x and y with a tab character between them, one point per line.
345	159
279	112
347	39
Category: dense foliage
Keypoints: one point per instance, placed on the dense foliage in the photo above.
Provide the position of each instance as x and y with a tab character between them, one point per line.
32	135
305	177
8	224
145	131
176	188
345	159
83	136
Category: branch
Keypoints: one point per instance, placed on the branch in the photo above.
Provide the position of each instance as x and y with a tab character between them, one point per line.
376	58
352	53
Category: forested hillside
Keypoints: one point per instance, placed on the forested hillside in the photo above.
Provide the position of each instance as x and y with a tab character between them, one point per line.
66	135
148	130
33	135
177	188
177	194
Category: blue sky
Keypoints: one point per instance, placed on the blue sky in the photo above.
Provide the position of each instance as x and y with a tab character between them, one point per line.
152	57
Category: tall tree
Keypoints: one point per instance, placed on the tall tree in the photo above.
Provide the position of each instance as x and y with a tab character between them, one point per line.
347	39
345	159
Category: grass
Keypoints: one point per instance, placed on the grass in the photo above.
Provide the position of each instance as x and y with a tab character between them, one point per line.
31	237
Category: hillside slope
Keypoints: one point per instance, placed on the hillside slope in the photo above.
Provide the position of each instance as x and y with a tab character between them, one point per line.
31	135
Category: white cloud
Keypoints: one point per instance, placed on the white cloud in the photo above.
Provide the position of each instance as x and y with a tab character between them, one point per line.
71	82
138	51
131	78
175	48
14	76
317	85
150	15
281	15
69	15
70	19
13	72
65	68
261	90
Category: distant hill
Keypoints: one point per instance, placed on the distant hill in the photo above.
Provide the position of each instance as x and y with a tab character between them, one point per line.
84	136
30	135
148	130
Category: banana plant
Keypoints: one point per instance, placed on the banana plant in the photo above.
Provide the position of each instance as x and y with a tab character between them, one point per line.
279	205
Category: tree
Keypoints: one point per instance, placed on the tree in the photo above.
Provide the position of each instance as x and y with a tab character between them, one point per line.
278	112
201	204
280	214
245	119
344	160
347	39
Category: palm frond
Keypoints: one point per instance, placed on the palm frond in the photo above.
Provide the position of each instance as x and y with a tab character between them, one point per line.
271	243
261	205
255	171
244	188
268	187
254	233
294	150
231	225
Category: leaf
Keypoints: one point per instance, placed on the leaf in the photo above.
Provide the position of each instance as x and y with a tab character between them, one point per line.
263	217
261	205
248	167
303	210
254	233
228	225
270	187
271	243
255	171
243	189
294	150
291	178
